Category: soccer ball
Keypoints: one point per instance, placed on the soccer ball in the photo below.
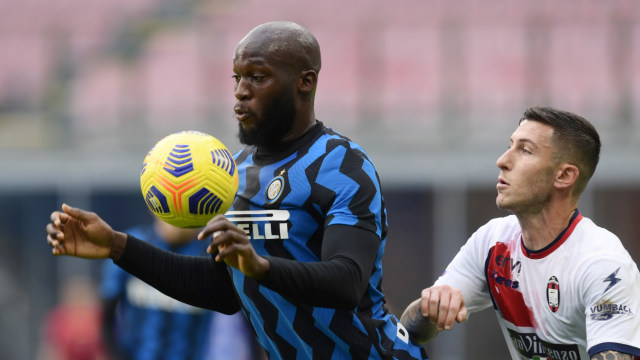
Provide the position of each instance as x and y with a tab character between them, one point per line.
187	178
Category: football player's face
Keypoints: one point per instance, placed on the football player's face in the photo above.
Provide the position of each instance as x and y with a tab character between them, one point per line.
527	169
265	107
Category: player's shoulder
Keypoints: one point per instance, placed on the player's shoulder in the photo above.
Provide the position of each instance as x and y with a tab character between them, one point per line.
337	147
596	239
502	226
497	230
597	252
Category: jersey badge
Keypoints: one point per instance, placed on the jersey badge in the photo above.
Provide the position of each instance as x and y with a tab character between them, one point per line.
274	190
553	294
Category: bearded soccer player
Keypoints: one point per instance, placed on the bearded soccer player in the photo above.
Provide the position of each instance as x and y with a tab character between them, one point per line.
300	250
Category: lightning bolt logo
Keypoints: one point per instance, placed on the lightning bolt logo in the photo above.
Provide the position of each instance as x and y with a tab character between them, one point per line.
612	279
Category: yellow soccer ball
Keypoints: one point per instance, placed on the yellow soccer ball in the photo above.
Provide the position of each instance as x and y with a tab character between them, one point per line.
188	177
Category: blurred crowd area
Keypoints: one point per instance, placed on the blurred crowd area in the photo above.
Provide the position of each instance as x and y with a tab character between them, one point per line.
431	89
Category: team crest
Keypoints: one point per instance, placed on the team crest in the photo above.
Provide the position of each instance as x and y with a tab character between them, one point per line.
274	189
553	294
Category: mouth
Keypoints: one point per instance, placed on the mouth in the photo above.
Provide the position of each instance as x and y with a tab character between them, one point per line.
502	183
241	112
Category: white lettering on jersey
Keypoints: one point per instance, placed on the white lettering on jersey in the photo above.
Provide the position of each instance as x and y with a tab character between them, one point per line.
262	224
250	215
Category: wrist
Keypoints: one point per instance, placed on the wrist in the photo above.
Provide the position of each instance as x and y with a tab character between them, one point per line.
262	270
118	243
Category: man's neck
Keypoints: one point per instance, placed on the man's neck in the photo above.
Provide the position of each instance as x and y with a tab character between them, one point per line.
541	229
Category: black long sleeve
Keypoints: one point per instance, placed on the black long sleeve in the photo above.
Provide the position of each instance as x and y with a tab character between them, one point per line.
195	280
339	280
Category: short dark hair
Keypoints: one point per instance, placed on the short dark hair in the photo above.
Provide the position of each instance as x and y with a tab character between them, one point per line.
575	137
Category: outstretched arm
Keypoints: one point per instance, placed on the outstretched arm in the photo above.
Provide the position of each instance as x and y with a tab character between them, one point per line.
435	311
194	280
197	281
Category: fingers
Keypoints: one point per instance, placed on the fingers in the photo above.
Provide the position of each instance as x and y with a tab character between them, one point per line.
462	315
54	229
449	310
443	305
58	218
83	216
228	242
54	240
218	223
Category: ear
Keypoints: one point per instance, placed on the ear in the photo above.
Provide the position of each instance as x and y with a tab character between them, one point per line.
307	81
566	176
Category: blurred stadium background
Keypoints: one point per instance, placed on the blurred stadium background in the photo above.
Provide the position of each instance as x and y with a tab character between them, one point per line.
432	89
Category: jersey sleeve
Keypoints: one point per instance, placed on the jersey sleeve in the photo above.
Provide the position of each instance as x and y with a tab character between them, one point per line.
195	280
466	271
611	289
339	280
351	177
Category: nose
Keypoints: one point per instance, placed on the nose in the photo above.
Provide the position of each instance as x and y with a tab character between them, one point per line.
503	160
241	89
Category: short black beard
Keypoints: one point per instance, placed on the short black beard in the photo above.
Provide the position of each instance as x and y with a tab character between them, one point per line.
275	122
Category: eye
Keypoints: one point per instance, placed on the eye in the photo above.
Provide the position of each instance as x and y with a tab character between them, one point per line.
236	77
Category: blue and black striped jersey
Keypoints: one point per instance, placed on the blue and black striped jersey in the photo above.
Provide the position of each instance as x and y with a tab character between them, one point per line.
151	325
285	201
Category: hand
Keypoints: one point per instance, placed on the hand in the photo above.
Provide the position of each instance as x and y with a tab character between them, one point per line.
80	233
442	305
233	247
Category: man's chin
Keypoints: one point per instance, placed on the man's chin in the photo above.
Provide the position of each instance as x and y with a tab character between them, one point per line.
248	137
502	204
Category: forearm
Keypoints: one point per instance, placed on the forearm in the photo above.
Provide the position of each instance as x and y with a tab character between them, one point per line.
335	284
339	280
197	281
420	328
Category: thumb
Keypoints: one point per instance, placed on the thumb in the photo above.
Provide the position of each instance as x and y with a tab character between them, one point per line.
75	212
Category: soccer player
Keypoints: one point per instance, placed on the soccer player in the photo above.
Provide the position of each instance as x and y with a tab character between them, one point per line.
300	250
142	323
562	287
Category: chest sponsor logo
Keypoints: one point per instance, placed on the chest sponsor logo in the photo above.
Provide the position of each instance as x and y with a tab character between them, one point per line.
553	294
505	268
532	347
502	281
508	264
605	311
262	224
